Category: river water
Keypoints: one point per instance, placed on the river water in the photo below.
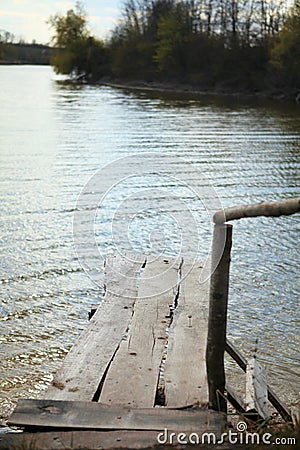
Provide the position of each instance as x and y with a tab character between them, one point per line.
55	137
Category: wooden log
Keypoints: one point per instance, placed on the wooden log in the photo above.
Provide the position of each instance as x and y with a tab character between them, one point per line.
256	388
185	368
133	375
85	365
268	209
278	404
95	416
217	319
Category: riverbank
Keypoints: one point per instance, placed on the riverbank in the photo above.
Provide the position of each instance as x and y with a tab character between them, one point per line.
188	89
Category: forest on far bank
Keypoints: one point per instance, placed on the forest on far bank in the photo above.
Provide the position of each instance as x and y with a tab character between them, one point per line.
240	45
12	52
224	45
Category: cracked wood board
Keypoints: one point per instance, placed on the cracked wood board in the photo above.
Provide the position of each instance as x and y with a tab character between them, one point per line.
87	361
256	388
185	367
133	375
74	415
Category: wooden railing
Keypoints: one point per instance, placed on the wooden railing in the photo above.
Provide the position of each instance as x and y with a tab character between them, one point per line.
219	285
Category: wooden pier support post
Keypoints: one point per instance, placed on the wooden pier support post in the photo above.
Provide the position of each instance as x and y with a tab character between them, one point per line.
217	320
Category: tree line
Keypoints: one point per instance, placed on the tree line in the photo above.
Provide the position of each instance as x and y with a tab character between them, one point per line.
250	45
23	53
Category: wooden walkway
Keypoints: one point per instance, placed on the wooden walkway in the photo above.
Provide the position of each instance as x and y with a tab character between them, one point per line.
139	367
152	356
123	358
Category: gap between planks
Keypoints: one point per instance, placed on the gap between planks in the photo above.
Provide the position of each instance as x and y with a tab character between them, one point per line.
133	343
133	376
185	367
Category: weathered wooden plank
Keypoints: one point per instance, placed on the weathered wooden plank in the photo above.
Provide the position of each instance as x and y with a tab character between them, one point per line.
95	416
256	388
121	273
280	406
138	359
87	361
70	440
112	440
185	367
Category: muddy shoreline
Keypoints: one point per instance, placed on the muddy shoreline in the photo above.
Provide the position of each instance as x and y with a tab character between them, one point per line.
187	89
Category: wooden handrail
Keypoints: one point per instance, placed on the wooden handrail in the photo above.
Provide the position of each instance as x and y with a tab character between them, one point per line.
268	209
218	295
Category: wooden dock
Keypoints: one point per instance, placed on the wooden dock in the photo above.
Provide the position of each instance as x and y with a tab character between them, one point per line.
139	367
119	359
151	359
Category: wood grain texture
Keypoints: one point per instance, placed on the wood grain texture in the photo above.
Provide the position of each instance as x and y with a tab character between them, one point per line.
70	440
133	375
87	361
94	416
256	388
185	367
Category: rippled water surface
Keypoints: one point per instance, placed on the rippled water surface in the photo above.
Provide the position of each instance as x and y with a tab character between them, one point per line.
212	151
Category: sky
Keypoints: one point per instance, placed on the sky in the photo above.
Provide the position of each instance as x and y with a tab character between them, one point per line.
26	19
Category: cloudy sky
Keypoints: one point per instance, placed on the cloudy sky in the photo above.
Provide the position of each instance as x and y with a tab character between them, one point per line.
26	18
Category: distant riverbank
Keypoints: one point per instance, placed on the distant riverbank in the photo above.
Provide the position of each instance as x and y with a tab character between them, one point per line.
22	63
182	88
22	53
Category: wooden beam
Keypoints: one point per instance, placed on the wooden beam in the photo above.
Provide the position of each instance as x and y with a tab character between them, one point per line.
281	407
236	355
185	368
236	401
133	375
268	209
217	319
85	365
95	416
